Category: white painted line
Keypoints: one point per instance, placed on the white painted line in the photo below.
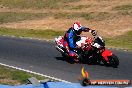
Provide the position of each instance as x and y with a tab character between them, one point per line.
4	35
57	79
13	36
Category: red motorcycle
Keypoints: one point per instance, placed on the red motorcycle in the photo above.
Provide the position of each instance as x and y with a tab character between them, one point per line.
92	50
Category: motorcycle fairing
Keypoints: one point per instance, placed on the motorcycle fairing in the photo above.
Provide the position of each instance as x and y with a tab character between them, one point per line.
106	53
84	40
60	40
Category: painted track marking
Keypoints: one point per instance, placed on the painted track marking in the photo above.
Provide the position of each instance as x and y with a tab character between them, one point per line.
57	79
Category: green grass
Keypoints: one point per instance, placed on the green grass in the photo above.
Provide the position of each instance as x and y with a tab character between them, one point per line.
15	75
123	7
66	15
97	16
36	4
122	41
124	13
30	33
6	17
123	10
14	16
79	7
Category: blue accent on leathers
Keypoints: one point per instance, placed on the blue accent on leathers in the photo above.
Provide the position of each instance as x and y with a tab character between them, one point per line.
71	36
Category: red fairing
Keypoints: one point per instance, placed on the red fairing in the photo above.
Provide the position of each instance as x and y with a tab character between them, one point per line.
61	41
89	40
106	53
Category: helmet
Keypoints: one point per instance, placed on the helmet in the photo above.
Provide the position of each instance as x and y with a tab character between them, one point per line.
77	26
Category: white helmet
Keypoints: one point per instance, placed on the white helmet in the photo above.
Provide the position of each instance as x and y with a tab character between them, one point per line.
77	26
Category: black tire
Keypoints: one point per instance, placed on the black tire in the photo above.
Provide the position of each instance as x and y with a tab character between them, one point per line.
81	59
113	61
67	58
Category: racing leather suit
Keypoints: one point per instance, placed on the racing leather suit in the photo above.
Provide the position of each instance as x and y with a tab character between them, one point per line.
70	38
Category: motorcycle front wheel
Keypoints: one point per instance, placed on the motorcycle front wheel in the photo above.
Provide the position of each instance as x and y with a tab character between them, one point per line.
67	58
113	61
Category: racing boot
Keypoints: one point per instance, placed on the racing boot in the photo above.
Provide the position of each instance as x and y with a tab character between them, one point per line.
73	56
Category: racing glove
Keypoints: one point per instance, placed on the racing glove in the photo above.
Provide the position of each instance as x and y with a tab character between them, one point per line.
94	33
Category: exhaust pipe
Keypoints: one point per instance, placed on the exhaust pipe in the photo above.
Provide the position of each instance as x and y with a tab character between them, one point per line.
59	49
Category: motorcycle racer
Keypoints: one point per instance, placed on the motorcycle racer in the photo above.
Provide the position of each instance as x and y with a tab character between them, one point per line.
71	37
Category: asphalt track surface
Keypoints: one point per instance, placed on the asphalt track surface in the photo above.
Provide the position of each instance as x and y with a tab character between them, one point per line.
42	57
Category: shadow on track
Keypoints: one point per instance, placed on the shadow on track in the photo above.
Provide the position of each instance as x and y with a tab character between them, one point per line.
66	60
72	62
